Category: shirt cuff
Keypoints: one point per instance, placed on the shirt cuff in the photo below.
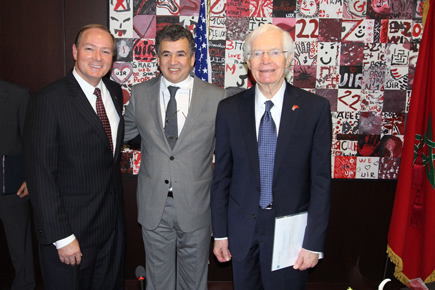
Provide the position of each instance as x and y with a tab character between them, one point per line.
62	243
220	239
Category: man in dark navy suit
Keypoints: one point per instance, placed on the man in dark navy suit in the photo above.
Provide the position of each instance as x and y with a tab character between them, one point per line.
73	135
272	159
14	198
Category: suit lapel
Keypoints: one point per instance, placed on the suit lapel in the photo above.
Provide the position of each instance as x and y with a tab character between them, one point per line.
247	119
289	116
196	104
153	91
81	102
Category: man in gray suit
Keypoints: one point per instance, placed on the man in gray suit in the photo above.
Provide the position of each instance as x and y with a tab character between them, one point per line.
177	144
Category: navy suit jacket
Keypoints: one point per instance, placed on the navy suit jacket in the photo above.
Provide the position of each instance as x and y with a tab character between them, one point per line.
302	168
74	180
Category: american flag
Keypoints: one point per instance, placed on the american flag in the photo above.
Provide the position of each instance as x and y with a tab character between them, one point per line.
201	45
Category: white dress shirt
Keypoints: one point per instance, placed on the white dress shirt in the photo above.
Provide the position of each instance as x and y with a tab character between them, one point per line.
183	98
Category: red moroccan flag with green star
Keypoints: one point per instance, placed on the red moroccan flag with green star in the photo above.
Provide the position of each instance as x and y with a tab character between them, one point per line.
411	238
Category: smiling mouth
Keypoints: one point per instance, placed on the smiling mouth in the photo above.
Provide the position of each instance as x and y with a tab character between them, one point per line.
324	62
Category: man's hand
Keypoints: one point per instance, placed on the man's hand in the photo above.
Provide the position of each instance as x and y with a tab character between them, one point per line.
70	254
305	260
221	251
22	192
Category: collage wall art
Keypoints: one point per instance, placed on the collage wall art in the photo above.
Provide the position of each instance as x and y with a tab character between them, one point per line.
360	55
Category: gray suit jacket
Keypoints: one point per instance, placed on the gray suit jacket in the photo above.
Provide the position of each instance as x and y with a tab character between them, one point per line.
188	167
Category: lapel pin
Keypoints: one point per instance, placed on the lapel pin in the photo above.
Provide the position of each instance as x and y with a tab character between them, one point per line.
295	107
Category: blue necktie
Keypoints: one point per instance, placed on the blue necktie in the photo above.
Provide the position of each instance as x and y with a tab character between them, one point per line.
266	153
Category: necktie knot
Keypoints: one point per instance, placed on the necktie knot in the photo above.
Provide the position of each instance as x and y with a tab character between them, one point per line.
173	90
269	105
97	92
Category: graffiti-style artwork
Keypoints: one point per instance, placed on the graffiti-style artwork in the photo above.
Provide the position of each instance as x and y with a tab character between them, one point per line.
360	55
304	76
331	9
352	53
284	8
217	60
260	8
144	26
393	123
327	77
218	8
351	77
370	123
394	101
344	148
344	167
189	7
124	49
354	9
237	28
120	6
287	24
372	101
389	168
391	146
122	25
143	50
378	9
367	167
307	29
122	72
143	71
144	7
330	30
238	8
401	9
345	123
168	7
307	8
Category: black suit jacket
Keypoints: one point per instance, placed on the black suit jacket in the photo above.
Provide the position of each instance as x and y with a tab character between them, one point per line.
74	181
302	168
13	103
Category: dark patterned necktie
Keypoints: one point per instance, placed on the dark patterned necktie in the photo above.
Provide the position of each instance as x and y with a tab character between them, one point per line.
101	112
266	153
171	126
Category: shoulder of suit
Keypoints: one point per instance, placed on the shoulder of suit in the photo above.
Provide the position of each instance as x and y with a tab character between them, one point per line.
305	94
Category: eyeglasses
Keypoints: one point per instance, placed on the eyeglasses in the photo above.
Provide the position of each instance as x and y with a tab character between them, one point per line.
256	54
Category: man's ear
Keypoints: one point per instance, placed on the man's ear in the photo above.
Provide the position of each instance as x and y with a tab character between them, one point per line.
74	51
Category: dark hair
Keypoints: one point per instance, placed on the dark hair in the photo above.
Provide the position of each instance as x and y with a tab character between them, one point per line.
98	26
174	32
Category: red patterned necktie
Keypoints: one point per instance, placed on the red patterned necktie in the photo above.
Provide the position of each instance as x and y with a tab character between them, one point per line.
101	112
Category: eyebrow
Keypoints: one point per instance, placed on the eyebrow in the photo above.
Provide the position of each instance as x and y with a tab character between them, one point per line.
178	51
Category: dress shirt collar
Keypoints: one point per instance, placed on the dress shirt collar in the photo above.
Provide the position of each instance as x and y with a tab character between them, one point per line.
187	84
277	99
87	88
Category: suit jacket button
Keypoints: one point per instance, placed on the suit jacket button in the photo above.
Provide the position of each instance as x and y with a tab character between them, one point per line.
172	157
258	189
166	181
254	216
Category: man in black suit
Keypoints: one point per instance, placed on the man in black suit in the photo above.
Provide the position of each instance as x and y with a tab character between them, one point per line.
73	135
285	172
14	199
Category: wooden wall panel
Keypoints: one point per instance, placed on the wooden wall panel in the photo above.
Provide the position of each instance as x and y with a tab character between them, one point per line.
32	45
79	13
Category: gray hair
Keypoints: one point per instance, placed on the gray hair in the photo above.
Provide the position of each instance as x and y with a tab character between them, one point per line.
287	39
